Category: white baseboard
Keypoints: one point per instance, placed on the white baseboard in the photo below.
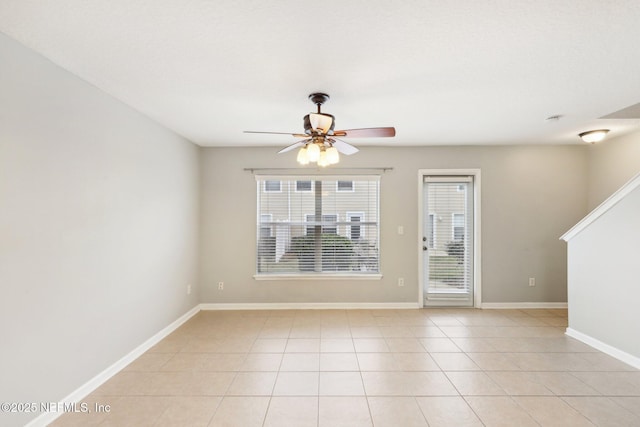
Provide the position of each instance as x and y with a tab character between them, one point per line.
623	356
523	305
309	305
85	389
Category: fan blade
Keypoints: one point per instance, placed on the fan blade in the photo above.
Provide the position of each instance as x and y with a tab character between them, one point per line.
294	146
344	147
297	135
366	132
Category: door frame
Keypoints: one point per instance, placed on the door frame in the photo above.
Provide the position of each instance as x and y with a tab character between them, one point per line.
477	258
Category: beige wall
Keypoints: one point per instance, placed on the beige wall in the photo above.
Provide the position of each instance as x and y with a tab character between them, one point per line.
530	196
612	163
98	230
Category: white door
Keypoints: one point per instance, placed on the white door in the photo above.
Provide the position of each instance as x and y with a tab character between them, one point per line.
448	241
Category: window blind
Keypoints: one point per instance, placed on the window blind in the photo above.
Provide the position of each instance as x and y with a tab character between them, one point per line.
318	225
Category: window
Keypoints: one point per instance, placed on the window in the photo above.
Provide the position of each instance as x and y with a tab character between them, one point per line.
344	186
308	229
304	185
272	186
355	231
458	226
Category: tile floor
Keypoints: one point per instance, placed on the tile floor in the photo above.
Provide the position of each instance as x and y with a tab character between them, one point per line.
400	368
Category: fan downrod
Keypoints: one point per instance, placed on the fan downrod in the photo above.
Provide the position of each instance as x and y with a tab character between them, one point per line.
319	98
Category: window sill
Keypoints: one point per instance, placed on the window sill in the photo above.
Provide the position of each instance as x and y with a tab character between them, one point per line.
375	276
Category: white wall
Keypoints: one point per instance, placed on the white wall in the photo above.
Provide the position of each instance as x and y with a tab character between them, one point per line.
604	278
98	229
530	196
612	163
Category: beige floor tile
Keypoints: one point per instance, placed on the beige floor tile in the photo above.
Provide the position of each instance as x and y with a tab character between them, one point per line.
300	362
493	361
405	345
336	345
414	362
604	411
454	362
252	384
296	384
474	345
208	383
341	384
552	412
342	331
395	412
240	411
303	345
149	362
192	411
339	362
497	411
370	345
520	383
269	345
366	332
612	383
427	332
630	403
396	332
407	384
564	384
292	412
221	362
439	345
474	384
344	412
257	362
128	384
305	332
378	362
448	411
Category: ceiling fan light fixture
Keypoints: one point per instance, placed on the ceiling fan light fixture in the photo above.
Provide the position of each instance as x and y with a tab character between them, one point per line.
313	152
333	156
322	160
303	158
594	136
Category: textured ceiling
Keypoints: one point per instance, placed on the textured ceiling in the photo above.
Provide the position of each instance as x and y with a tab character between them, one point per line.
463	72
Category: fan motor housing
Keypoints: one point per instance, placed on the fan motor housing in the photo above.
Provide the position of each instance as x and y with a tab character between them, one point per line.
309	130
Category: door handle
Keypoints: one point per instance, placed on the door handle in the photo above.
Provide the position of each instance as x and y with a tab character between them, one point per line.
424	248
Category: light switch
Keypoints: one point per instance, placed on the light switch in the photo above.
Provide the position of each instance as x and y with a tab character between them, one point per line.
400	230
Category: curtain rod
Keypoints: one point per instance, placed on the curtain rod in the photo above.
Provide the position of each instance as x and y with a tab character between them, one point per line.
327	171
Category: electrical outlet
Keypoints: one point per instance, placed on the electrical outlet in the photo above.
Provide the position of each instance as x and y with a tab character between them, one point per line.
401	281
532	281
188	289
221	286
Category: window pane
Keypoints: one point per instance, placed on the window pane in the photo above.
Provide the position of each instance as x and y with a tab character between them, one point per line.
345	185
314	229
303	185
272	186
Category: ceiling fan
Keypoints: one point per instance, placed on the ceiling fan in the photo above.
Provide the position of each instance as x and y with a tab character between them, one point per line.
321	144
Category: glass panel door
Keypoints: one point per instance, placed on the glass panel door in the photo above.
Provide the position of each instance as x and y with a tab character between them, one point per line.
448	240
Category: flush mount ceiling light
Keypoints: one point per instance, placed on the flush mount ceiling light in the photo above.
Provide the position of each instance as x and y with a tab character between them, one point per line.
594	136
